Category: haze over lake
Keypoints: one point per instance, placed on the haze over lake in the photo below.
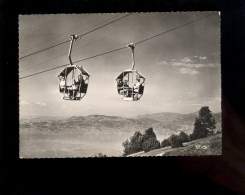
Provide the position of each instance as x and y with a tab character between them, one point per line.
61	146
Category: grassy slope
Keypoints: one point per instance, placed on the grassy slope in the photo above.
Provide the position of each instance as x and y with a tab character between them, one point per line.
213	143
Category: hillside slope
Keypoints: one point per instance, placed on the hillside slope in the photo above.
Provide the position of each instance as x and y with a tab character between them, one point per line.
206	146
162	123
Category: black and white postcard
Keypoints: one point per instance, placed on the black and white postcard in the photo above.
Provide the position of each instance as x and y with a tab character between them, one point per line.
120	85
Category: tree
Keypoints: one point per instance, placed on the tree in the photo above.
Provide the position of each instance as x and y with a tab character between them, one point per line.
165	143
175	141
126	145
138	142
204	124
184	137
100	155
149	134
151	144
149	140
218	132
134	145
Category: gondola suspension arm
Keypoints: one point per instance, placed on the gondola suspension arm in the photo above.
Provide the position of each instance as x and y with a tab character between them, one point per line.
132	46
72	39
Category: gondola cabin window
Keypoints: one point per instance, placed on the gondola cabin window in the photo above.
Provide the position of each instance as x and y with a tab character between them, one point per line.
73	80
131	83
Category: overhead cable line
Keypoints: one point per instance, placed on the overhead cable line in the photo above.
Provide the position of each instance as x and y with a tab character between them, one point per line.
174	28
118	48
86	45
78	36
58	35
74	62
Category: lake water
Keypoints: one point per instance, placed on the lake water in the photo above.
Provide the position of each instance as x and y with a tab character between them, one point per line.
61	146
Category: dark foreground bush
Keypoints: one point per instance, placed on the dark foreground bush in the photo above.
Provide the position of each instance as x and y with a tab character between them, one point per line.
175	141
100	155
151	144
218	132
133	145
141	142
149	134
165	143
184	137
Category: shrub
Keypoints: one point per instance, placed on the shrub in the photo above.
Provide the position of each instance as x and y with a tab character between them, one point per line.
134	145
149	134
136	142
149	140
175	141
218	132
165	143
139	142
151	144
100	155
184	137
126	146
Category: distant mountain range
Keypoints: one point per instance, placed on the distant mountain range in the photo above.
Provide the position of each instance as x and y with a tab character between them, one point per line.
162	123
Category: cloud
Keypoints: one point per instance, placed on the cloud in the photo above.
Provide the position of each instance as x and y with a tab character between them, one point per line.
187	59
188	71
202	58
29	103
162	63
176	64
41	103
190	65
24	103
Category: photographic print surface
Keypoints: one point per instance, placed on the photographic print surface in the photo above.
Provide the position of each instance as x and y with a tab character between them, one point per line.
120	84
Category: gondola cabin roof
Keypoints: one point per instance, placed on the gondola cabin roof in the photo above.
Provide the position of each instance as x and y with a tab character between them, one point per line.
125	72
68	69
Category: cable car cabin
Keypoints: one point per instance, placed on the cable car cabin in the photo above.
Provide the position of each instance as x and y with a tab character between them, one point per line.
130	84
73	82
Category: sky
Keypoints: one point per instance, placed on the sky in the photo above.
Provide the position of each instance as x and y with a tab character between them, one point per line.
182	67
